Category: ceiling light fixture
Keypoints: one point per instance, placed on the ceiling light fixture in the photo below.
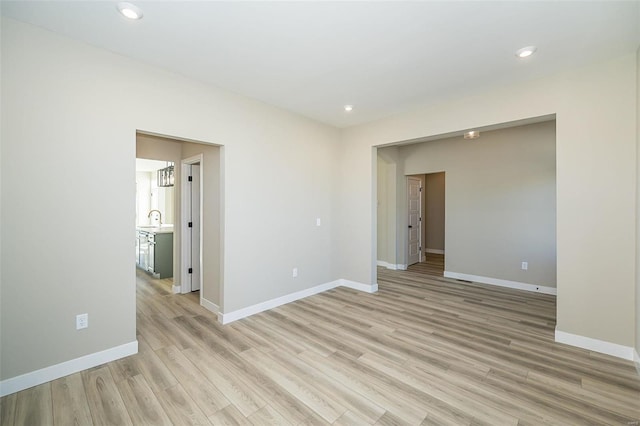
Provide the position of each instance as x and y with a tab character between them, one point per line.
526	51
472	134
348	108
129	10
166	176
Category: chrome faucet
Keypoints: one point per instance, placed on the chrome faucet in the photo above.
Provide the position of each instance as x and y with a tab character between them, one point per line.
159	215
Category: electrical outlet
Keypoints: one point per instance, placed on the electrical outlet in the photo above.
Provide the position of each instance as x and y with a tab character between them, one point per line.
295	272
318	222
525	266
82	321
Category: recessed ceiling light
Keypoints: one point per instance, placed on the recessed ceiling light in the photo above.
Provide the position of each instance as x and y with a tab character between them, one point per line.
129	10
348	108
472	134
526	51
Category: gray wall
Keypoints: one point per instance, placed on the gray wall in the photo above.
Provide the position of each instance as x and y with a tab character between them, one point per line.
388	185
434	211
382	211
500	201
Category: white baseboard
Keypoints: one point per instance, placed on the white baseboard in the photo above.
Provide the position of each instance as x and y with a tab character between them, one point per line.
636	360
209	305
391	265
434	251
501	283
367	288
47	374
595	345
283	300
385	264
176	289
399	266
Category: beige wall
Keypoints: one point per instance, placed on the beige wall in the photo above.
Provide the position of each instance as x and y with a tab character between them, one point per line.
434	211
501	201
67	100
64	100
595	108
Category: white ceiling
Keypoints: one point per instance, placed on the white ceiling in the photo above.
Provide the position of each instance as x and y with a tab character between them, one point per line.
383	57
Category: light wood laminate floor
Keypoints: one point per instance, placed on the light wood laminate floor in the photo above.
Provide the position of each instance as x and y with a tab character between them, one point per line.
432	265
423	350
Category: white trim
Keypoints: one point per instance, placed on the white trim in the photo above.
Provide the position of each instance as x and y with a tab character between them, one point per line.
385	264
184	201
434	251
209	305
595	345
367	288
47	374
501	283
175	288
184	205
226	318
274	303
406	202
636	360
399	266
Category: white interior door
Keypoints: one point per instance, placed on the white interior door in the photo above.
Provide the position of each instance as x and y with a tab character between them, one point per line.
194	229
414	197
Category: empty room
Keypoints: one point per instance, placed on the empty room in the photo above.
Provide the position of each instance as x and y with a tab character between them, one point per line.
345	213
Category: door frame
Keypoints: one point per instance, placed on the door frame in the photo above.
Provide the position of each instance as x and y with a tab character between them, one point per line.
406	238
184	208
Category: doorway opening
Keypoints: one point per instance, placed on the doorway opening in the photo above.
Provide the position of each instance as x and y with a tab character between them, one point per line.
432	224
500	206
155	213
197	245
425	219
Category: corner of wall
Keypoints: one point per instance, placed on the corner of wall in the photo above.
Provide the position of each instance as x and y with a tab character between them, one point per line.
596	345
226	318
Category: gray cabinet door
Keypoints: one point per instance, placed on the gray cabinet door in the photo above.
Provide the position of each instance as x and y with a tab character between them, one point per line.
163	255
